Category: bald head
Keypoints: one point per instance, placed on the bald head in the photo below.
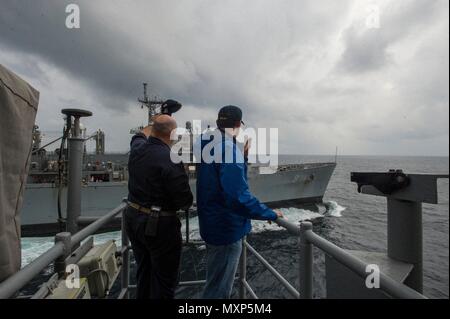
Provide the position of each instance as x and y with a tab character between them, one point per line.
163	125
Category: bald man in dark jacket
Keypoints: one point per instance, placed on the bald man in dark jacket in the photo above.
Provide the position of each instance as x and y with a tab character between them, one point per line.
157	189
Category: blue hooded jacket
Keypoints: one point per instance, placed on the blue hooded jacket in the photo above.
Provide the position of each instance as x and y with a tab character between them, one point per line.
224	202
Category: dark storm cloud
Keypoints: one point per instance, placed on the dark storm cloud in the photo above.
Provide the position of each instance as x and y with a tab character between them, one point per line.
194	64
96	53
108	57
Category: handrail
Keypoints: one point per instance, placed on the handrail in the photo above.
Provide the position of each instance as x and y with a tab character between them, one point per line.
92	228
307	238
17	281
274	272
387	284
290	227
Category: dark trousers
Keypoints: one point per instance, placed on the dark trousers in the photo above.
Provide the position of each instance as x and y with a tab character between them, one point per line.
157	258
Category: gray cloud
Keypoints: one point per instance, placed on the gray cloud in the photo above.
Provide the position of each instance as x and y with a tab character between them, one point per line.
366	48
312	69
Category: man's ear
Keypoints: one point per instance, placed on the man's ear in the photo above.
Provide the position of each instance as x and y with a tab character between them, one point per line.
237	124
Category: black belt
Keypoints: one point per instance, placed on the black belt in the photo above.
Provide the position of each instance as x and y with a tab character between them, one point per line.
149	211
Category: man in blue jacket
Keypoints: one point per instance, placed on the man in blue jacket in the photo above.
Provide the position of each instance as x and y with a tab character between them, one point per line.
225	205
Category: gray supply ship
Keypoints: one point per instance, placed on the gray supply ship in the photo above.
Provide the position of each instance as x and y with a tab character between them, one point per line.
105	180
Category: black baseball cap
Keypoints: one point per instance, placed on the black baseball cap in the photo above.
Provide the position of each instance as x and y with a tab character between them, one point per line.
229	115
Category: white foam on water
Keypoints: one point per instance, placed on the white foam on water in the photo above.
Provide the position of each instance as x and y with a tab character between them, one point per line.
292	214
295	215
194	230
334	209
33	247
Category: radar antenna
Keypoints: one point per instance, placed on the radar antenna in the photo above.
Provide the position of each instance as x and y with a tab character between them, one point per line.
151	104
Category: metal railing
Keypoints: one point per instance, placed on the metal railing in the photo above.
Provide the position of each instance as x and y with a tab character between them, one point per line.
308	239
65	244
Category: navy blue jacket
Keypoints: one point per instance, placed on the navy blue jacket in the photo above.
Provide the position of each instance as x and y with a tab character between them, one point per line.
153	178
224	202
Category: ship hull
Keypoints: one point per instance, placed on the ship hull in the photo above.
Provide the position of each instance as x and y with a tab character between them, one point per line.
39	216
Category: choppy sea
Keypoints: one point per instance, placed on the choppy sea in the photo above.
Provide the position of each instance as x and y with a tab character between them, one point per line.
353	221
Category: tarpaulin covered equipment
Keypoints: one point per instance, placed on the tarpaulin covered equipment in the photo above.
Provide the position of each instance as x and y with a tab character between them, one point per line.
18	108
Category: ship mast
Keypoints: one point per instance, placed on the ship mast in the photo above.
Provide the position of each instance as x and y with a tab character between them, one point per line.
151	104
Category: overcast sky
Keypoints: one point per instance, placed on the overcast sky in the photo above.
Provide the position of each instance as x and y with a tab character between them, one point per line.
321	71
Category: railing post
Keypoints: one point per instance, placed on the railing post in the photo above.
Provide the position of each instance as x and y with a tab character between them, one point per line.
306	262
243	270
405	238
187	226
65	238
125	274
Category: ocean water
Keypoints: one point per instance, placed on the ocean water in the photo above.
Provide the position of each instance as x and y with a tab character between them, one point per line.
353	221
